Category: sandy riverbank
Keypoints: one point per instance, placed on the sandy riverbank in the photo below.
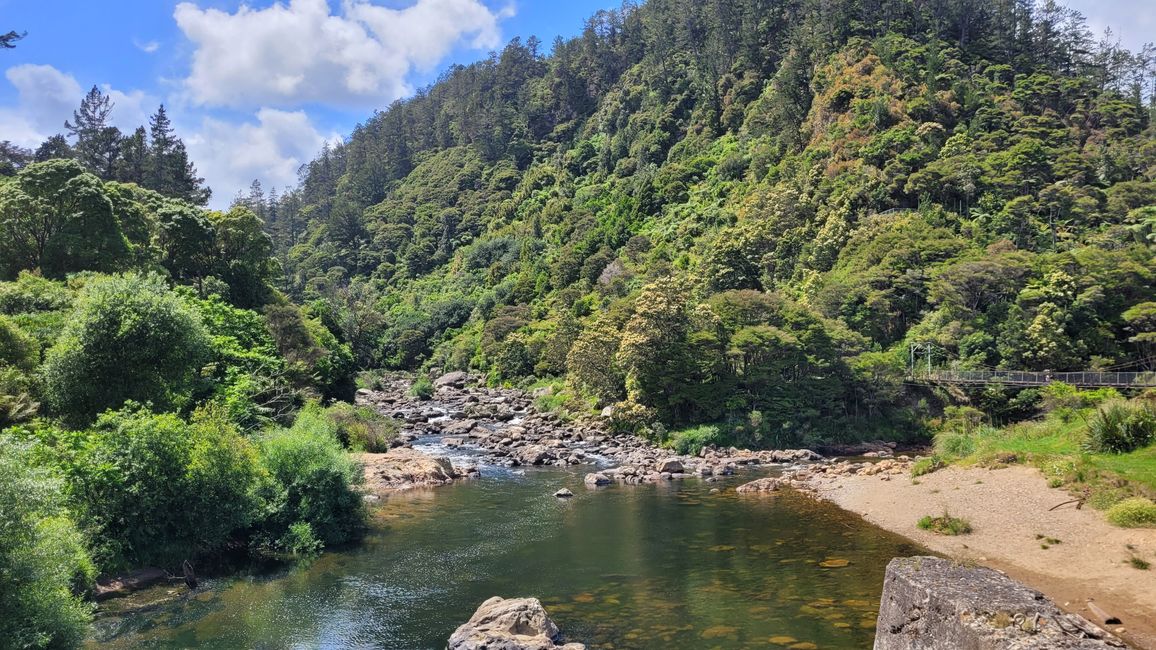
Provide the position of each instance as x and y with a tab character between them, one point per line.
1008	508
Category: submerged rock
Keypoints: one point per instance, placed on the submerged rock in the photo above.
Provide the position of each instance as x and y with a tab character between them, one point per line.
563	494
510	624
768	484
929	602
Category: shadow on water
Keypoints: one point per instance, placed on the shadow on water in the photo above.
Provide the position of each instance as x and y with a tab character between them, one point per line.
622	567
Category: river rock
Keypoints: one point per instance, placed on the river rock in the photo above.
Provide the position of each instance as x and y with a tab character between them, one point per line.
455	379
596	478
510	624
768	484
670	466
929	603
563	494
533	455
404	468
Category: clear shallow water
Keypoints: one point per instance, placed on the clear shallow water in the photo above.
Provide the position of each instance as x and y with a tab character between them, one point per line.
621	567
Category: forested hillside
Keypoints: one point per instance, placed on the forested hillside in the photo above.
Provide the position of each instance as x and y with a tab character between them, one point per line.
745	211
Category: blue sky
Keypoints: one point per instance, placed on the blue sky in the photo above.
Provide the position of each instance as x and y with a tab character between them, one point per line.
256	88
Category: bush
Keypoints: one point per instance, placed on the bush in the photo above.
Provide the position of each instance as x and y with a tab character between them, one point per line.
43	562
17	349
1136	512
945	525
361	428
313	481
130	338
1119	427
954	444
422	388
691	441
154	489
927	466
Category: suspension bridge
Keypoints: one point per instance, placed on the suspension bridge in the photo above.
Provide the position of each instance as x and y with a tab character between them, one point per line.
1129	375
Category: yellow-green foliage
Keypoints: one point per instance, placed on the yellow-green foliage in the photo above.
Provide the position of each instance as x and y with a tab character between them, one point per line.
1136	512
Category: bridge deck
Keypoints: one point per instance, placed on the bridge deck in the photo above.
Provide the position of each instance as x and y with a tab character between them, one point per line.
1016	378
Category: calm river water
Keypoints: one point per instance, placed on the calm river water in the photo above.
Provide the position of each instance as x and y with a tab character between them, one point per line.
622	567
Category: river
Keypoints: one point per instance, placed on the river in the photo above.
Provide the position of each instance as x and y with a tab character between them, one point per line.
618	567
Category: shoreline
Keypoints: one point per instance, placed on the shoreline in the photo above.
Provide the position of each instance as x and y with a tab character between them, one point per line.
1009	508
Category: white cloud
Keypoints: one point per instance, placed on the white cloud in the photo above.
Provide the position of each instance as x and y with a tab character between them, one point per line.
231	155
301	53
148	47
46	97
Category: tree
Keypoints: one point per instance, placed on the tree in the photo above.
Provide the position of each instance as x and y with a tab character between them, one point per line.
8	41
132	166
42	557
12	158
97	142
129	338
169	170
54	147
57	218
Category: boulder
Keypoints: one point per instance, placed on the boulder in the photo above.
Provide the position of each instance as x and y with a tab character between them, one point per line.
533	455
404	468
509	624
563	494
455	379
596	478
670	466
768	484
930	602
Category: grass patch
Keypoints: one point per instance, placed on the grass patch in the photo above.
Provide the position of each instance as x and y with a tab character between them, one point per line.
1138	563
1136	512
1059	447
945	525
927	466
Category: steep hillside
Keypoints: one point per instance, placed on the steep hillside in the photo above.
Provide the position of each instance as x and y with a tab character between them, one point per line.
744	212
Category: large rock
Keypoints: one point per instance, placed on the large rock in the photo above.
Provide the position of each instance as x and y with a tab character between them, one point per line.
404	468
768	484
670	465
509	624
931	603
596	478
455	379
534	455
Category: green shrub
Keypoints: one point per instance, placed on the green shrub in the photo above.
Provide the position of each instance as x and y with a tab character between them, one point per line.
1119	427
154	489
691	441
313	481
422	388
31	293
43	562
945	525
955	444
927	466
1136	512
17	348
361	428
130	338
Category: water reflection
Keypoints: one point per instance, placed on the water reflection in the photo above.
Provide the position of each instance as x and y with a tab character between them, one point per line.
622	567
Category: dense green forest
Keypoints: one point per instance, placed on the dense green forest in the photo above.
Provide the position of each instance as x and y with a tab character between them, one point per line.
740	213
160	398
765	200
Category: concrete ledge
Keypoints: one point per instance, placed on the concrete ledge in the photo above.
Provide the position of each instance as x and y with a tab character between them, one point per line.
931	603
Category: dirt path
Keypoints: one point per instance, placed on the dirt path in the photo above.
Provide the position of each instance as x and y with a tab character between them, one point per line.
1008	508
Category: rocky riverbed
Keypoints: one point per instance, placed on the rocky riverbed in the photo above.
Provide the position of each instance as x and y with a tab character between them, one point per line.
507	430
